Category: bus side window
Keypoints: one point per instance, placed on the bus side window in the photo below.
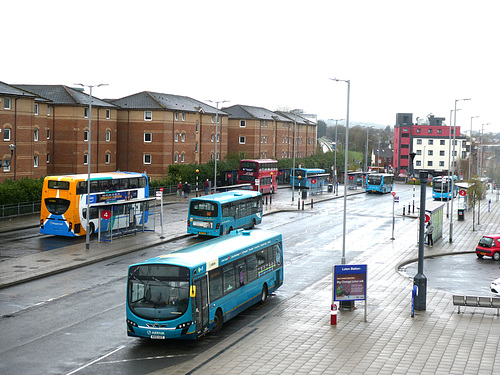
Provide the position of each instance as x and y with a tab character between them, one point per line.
241	272
277	252
215	284
229	278
252	267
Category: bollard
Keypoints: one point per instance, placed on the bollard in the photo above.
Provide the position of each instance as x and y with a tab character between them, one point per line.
298	208
270	199
302	205
404	210
333	318
266	200
409	208
312	203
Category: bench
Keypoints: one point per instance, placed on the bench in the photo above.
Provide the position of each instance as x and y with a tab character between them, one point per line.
474	301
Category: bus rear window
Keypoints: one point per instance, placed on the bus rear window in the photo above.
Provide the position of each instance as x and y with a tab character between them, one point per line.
57	206
61	185
201	208
374	180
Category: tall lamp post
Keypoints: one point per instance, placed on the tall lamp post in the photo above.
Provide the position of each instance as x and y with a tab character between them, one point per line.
294	143
481	151
470	146
87	235
335	166
453	170
216	137
345	304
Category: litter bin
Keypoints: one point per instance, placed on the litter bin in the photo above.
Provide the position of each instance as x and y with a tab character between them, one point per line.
461	214
304	194
330	188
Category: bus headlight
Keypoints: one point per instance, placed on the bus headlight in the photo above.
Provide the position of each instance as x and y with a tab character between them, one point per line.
184	325
131	323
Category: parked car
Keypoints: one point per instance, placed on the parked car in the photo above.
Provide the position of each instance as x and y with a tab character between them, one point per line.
495	286
489	246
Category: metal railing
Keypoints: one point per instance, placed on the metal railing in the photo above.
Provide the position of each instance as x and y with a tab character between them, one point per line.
19	209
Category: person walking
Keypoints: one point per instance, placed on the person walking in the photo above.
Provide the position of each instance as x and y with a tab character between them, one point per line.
186	189
429	230
179	189
207	186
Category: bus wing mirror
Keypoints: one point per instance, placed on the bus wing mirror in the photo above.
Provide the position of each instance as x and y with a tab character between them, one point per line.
192	291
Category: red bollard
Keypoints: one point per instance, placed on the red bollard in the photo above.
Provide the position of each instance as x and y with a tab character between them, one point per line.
302	205
333	319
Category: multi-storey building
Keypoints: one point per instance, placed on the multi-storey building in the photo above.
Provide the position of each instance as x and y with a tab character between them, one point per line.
157	130
432	143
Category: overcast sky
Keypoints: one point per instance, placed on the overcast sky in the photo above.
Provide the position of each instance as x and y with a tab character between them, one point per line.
400	56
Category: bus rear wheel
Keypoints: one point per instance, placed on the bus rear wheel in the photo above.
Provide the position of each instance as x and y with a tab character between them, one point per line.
218	321
264	294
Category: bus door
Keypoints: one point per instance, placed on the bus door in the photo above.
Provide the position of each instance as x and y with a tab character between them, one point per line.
201	301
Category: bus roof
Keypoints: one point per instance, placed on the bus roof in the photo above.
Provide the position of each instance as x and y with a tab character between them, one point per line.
228	196
316	170
222	249
95	176
260	160
380	174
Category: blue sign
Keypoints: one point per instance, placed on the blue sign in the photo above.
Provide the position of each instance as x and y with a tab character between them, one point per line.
350	282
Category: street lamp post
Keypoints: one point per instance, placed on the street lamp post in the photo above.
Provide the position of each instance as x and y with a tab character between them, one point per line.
453	170
470	146
87	235
335	167
216	138
481	150
420	281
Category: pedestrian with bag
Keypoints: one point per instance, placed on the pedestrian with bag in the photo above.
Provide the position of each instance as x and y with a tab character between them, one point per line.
429	231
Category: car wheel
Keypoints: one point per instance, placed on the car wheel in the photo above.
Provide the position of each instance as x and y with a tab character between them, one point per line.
218	321
496	256
480	256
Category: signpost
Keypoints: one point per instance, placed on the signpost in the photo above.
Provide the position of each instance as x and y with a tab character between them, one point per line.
159	194
395	199
349	284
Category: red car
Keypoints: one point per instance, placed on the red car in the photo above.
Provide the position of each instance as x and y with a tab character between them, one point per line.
489	245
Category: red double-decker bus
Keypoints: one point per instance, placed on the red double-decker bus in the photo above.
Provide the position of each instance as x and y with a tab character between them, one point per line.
260	173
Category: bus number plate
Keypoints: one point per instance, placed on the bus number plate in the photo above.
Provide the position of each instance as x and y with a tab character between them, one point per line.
157	337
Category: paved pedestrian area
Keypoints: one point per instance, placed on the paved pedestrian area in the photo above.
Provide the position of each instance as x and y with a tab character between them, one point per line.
297	337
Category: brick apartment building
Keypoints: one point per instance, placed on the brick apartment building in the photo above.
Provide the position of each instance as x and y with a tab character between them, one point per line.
147	131
430	141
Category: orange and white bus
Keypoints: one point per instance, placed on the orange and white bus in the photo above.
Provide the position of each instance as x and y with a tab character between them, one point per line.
64	202
260	173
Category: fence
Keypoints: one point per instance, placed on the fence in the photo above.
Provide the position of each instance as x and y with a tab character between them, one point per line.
19	209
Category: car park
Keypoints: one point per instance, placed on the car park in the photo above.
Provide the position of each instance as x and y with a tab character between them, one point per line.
489	245
495	286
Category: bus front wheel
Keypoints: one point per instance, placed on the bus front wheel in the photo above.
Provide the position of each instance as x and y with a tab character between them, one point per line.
218	321
264	294
91	229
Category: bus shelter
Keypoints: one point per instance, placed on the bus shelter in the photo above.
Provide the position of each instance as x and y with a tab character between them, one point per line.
316	183
434	213
119	218
463	191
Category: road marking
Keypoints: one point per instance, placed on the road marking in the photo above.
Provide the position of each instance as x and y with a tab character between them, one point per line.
96	360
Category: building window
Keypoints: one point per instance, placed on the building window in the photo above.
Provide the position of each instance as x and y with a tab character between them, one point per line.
108	113
35	135
148	137
147	158
419	131
212	137
405	135
48	111
430	142
429	131
183	116
405	146
439	131
429	163
196	147
35	161
418	163
183	137
176	158
419	141
441	153
85	135
405	130
48	158
441	163
442	142
212	156
176	138
6	103
108	158
85	159
243	123
176	116
430	152
86	112
197	126
213	119
48	133
36	109
242	140
419	152
148	116
108	136
182	158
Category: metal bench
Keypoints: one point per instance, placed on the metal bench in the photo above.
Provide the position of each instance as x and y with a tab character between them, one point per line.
474	301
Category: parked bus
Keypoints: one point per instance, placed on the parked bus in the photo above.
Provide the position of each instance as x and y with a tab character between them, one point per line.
379	183
211	215
260	173
441	187
190	292
307	177
64	202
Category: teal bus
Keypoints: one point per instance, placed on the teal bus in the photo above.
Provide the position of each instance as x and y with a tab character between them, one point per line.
193	291
214	215
379	183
